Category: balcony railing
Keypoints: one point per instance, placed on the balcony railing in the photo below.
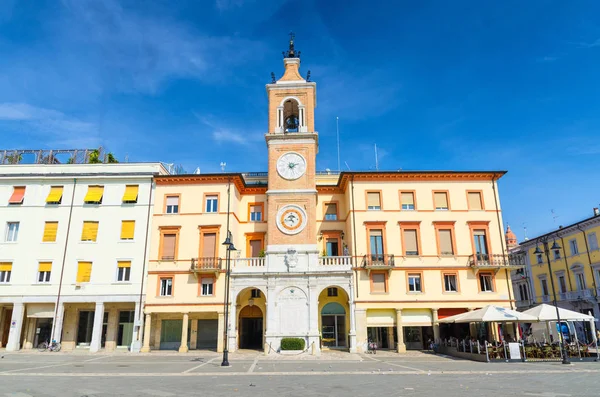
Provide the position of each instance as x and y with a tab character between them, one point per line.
378	261
582	294
249	262
335	261
496	261
545	298
208	264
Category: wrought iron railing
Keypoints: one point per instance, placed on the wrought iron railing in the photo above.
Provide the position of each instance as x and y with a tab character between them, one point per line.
378	261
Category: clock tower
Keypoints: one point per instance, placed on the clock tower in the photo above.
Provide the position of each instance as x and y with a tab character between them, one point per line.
292	146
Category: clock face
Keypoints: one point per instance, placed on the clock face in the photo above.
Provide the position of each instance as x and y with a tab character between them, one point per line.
291	166
291	219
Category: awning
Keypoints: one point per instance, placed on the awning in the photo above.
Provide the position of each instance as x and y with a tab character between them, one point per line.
546	312
17	196
40	310
381	318
131	194
490	313
444	313
55	195
94	194
417	317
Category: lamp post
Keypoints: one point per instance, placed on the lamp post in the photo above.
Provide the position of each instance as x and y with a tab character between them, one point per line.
229	247
561	339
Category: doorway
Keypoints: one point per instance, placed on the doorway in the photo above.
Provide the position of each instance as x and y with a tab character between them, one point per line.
333	325
251	328
381	336
208	334
170	334
85	327
43	330
125	331
6	327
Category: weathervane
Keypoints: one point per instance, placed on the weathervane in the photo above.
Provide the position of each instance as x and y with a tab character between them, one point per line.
291	52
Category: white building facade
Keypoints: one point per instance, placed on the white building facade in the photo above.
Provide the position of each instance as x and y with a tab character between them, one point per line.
72	253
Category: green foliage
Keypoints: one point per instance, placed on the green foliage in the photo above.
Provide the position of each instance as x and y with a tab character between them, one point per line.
261	254
292	344
111	159
324	253
94	157
14	159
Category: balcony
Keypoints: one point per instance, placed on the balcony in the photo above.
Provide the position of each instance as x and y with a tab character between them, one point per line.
524	304
586	294
378	262
206	265
335	263
496	262
248	265
545	298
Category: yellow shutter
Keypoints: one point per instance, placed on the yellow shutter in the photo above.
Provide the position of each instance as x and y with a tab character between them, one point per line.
50	230
131	194
331	209
84	272
127	230
55	195
45	267
90	231
94	194
5	266
123	264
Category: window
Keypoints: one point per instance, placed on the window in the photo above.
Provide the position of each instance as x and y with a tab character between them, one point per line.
255	248
18	195
407	201
332	247
331	212
131	194
123	271
593	241
562	284
523	292
480	242
539	259
485	282
373	201
50	229
166	286
207	286
127	230
556	254
474	200
94	195
445	240
256	213
12	231
44	270
414	283
5	270
84	272
332	291
378	282
172	205
544	285
168	246
376	244
212	203
255	293
55	195
440	201
574	248
580	278
89	231
450	284
411	242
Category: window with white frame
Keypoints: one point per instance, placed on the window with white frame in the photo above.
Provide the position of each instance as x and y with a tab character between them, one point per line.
414	283
593	241
544	285
256	213
207	286
573	246
332	291
5	271
255	293
44	269
486	282
580	279
12	231
562	284
166	286
373	201
450	284
212	204
539	258
556	254
123	271
523	292
407	201
172	206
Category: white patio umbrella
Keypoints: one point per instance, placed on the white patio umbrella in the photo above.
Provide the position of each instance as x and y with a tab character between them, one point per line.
490	313
546	312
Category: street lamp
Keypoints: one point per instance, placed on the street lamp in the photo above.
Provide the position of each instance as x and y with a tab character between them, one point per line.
538	251
229	247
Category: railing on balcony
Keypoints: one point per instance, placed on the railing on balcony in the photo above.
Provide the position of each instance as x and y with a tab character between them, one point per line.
335	261
582	294
545	298
496	261
249	262
378	261
205	264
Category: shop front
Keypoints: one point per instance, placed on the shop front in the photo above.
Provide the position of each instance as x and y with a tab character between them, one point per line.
381	328
418	328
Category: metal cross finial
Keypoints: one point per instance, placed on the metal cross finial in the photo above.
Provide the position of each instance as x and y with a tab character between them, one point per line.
308	76
292	36
291	52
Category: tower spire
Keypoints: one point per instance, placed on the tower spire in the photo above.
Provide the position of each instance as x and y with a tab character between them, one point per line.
291	52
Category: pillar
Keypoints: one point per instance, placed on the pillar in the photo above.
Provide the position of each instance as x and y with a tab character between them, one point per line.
401	348
96	342
147	329
352	334
232	328
314	340
157	331
194	335
16	325
473	327
361	329
220	331
183	348
270	314
136	340
436	326
111	329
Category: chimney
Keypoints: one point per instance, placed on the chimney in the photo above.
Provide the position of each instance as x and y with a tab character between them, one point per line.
560	227
596	212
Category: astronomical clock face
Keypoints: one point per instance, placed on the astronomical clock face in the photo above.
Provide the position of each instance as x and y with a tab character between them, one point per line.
291	166
291	219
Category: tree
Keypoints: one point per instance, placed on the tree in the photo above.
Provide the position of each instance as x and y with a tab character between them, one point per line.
14	158
111	159
94	157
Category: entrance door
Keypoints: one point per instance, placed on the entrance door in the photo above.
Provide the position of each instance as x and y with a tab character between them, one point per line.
380	336
170	334
6	330
480	245
208	334
125	332
252	333
85	327
43	329
333	330
332	247
413	338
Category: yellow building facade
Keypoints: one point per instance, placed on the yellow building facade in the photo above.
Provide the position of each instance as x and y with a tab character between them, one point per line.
336	259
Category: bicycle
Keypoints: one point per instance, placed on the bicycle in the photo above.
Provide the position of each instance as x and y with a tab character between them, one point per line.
371	347
53	347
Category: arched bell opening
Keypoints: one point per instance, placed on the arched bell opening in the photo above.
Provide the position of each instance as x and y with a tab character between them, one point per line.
291	116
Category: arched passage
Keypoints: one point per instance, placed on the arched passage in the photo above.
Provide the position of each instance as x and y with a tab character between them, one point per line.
334	317
250	318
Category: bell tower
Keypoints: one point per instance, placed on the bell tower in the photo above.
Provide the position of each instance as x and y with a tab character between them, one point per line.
292	146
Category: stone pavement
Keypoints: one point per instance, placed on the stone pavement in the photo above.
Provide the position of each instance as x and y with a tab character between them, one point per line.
333	373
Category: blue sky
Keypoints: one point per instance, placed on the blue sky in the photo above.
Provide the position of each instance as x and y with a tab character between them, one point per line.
509	85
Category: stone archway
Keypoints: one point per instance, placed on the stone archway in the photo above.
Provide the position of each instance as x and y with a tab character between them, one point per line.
334	317
250	327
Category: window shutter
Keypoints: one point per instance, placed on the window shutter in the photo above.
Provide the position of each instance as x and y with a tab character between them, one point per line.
169	246
123	264
441	200
375	233
408	198
50	229
172	200
445	237
94	194
255	248
410	241
127	230
55	195
45	267
475	201
209	245
90	231
331	209
5	266
84	272
378	282
18	195
479	232
131	194
373	199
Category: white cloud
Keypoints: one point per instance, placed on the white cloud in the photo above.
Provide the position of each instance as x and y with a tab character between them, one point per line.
223	134
23	111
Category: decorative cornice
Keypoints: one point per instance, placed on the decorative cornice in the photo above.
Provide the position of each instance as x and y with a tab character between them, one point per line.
193	179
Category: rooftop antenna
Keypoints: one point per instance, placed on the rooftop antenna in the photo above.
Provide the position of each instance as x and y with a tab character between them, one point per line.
347	166
223	165
197	171
525	232
554	216
337	127
376	160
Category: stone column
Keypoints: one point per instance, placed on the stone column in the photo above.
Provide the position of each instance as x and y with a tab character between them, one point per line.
436	325
361	329
157	332
184	334
270	315
136	340
194	335
58	327
314	341
111	329
472	327
352	334
96	342
147	329
16	324
400	332
232	329
29	333
220	332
